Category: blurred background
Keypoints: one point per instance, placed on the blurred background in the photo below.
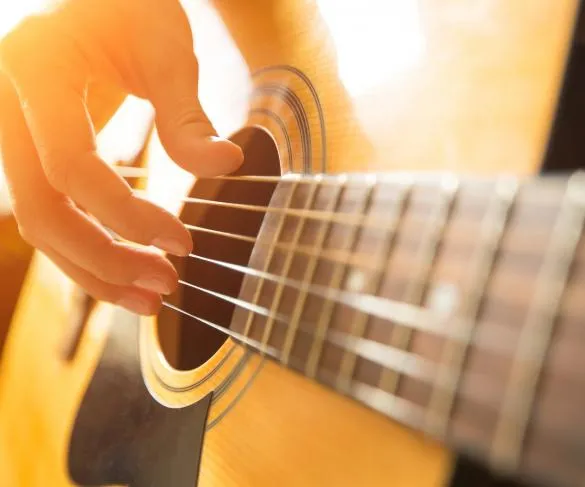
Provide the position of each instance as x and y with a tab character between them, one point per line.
14	253
10	14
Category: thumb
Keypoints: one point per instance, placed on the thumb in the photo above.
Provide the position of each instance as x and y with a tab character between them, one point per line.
184	129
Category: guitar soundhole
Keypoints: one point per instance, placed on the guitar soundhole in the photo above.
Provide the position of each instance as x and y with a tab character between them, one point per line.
185	342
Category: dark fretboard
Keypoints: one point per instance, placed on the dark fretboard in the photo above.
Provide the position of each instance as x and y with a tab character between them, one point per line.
454	306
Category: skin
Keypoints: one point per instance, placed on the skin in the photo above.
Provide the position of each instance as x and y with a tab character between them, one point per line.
63	194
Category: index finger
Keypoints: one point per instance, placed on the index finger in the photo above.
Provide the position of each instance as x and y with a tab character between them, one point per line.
52	94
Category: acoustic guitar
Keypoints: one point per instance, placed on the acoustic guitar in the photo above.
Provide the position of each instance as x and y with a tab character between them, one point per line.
384	283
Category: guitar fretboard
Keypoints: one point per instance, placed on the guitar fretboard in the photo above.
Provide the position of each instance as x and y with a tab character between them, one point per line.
453	306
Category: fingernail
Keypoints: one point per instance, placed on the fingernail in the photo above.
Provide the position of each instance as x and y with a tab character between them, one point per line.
171	245
153	284
135	304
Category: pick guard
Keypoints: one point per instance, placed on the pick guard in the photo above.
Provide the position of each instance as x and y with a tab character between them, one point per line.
122	435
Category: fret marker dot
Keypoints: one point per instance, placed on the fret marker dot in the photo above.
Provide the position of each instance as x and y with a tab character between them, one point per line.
356	281
444	298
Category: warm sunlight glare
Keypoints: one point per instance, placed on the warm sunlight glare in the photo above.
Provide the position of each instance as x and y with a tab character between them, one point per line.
12	12
224	98
375	39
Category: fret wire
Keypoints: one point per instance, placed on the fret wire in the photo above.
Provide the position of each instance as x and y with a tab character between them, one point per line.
359	325
386	309
336	337
379	353
300	249
454	354
276	299
536	334
307	278
404	361
337	276
414	293
268	260
336	258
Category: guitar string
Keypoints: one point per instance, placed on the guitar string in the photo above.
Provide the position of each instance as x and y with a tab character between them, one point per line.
401	313
333	179
379	353
369	303
538	330
339	256
253	343
327	216
318	215
269	258
357	178
370	221
406	314
416	288
364	303
307	250
450	367
402	361
332	255
352	177
287	263
337	277
356	260
323	233
336	256
376	282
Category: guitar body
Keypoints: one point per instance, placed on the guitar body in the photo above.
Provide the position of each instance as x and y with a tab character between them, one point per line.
459	86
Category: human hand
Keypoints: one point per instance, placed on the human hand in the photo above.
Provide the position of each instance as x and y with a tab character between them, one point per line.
62	192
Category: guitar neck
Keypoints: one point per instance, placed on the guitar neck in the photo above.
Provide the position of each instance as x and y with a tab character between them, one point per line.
449	305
